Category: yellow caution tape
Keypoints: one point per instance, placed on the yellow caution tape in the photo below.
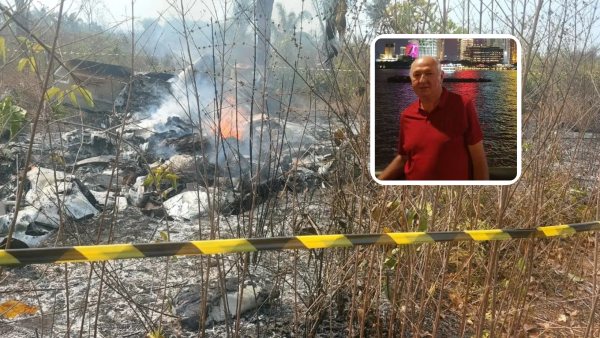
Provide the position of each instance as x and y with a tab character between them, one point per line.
223	246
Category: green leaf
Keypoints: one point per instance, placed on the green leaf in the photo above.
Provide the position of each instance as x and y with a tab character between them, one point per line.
149	179
50	93
172	176
87	95
32	64
15	127
521	264
73	98
24	40
12	116
423	220
38	48
391	206
5	106
164	236
3	49
390	262
22	64
575	278
59	111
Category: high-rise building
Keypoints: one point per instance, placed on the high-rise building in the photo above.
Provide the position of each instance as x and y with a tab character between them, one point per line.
390	48
506	47
513	51
428	47
441	50
484	54
389	53
480	42
464	43
495	43
412	49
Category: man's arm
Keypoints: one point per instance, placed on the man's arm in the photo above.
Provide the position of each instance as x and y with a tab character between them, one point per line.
480	167
394	170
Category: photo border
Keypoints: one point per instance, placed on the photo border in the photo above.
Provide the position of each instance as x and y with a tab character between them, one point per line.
443	36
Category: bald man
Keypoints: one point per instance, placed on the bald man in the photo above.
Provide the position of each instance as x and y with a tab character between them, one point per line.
440	136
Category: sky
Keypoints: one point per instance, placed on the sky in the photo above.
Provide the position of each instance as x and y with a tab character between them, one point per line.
121	9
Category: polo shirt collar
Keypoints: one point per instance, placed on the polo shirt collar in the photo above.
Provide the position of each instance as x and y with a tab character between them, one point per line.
443	100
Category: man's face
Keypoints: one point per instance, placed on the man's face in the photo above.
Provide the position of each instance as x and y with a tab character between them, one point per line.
426	79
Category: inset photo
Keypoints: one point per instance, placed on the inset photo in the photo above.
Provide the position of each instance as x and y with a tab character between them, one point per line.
445	109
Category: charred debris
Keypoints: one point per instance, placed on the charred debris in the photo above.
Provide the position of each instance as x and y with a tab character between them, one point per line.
176	159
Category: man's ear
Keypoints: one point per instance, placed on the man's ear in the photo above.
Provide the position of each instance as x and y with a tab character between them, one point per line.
443	75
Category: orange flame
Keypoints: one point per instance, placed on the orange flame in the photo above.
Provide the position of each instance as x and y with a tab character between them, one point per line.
232	121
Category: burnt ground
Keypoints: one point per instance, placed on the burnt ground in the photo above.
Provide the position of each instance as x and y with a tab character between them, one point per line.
138	294
134	290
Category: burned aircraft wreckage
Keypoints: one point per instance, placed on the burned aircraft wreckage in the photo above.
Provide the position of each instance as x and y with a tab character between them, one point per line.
177	154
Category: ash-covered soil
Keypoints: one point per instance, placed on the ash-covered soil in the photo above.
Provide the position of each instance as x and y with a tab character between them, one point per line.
217	186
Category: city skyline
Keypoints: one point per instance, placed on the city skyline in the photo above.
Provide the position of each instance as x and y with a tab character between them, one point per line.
473	49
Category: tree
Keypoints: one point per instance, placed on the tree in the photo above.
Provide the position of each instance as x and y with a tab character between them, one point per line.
263	11
419	16
90	8
22	15
287	35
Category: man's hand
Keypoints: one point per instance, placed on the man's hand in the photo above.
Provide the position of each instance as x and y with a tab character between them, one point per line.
394	170
480	167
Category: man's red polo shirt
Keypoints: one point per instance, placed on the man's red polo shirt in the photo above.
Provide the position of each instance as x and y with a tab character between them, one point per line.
436	143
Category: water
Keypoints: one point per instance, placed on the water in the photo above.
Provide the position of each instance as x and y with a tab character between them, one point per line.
495	103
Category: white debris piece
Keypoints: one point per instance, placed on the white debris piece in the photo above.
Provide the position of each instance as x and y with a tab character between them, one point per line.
251	300
25	216
42	177
181	163
121	203
100	196
136	195
188	205
72	200
45	194
31	241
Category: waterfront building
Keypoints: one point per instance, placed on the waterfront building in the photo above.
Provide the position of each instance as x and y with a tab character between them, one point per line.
441	50
412	49
480	42
513	51
464	43
495	43
389	54
428	47
484	54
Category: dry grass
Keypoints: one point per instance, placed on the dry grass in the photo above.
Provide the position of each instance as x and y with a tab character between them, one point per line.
538	287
